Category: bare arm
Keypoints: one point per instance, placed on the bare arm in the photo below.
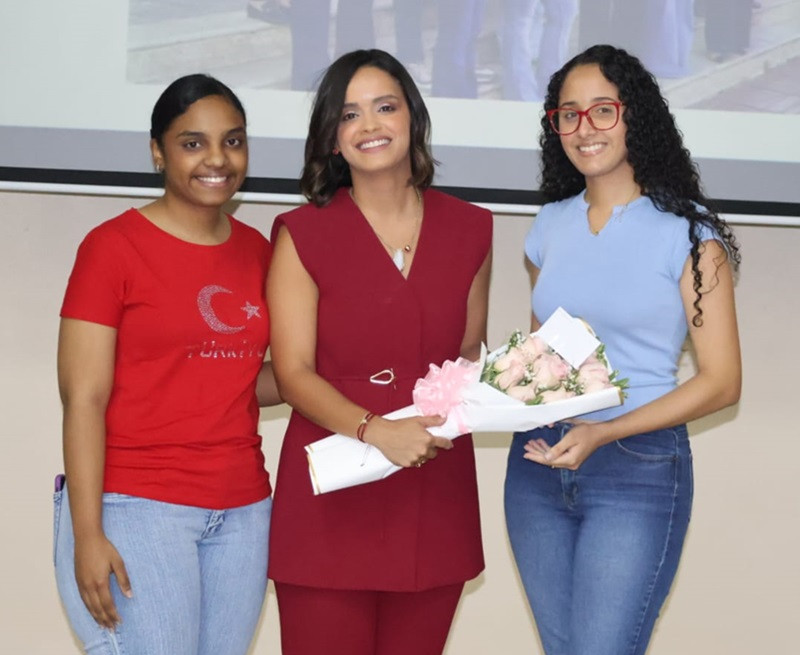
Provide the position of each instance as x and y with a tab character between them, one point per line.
533	272
85	376
292	296
718	380
267	392
267	387
477	311
716	384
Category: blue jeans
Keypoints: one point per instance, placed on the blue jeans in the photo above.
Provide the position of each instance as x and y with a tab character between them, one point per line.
198	576
597	548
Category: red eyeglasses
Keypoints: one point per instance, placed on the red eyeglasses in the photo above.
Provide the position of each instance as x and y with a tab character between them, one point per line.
602	116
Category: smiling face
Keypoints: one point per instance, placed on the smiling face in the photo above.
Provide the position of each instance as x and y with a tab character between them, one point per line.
203	153
599	155
374	132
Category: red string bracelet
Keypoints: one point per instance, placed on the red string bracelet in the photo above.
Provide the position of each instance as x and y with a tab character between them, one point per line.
362	426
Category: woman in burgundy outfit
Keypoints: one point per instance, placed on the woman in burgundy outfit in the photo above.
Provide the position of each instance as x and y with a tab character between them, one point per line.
375	279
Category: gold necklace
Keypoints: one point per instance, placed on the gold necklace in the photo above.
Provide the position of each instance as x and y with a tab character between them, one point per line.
398	254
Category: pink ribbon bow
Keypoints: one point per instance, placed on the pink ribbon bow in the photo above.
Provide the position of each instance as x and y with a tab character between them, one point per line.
439	392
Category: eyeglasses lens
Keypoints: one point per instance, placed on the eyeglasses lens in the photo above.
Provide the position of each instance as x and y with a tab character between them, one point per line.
602	116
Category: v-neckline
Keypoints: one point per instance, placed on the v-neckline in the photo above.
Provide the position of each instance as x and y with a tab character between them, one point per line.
377	241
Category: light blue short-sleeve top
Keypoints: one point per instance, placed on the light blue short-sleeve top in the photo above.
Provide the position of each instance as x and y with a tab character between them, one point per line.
624	281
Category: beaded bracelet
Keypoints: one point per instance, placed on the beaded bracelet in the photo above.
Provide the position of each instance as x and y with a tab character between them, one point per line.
362	426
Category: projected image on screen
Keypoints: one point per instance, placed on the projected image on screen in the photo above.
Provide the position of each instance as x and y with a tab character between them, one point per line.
707	54
82	78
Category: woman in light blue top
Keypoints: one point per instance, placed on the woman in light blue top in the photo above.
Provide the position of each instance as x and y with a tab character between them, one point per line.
597	510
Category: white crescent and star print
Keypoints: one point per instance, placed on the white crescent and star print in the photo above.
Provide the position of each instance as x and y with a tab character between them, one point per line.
221	348
213	321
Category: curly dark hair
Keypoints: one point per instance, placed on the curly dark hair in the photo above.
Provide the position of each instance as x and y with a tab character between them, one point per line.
662	166
324	172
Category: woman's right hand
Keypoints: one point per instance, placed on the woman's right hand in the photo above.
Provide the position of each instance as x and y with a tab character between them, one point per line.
407	442
96	559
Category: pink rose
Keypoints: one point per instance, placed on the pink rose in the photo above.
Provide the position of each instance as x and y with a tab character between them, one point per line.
558	394
507	359
592	359
534	346
512	375
526	393
550	371
593	377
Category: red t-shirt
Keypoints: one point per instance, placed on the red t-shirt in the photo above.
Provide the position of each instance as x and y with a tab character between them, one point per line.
192	329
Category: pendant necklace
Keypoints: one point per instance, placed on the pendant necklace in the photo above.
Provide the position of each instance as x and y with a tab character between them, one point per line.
398	254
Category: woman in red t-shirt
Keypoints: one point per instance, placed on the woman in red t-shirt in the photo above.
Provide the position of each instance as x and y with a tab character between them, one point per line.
162	543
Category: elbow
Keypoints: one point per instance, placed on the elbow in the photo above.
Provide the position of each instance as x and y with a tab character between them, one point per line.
287	388
293	380
719	388
735	386
267	393
288	393
471	352
730	392
91	401
732	395
268	397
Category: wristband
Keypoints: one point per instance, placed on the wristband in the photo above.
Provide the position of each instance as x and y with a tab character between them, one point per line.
362	426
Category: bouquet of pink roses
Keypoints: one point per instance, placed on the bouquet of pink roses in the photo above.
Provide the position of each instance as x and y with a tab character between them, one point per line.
528	369
558	372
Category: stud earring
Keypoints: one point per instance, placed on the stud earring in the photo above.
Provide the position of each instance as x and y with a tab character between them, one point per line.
335	151
159	168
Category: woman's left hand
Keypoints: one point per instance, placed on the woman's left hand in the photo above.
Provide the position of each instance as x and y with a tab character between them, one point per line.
569	453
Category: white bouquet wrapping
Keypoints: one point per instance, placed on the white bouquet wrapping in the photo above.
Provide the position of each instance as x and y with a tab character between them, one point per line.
556	373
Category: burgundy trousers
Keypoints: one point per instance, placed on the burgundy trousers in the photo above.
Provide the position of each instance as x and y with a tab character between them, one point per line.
345	622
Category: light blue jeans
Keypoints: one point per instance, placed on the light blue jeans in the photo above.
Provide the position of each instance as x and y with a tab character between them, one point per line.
198	576
597	548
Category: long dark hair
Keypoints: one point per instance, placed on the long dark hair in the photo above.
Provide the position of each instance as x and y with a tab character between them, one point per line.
662	166
324	172
181	94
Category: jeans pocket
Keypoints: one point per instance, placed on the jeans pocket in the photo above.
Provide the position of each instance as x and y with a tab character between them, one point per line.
657	446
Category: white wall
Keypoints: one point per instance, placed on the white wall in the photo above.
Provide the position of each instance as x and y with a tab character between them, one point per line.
738	588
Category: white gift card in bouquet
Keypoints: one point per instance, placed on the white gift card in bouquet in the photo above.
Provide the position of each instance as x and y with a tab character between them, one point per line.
569	337
556	373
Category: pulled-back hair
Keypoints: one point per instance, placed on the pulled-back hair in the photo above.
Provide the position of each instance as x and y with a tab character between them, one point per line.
324	172
662	166
181	94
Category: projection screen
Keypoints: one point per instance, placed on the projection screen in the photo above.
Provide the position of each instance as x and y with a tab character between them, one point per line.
80	78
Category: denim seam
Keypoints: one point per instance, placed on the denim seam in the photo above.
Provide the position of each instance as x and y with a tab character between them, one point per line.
649	598
57	502
114	642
